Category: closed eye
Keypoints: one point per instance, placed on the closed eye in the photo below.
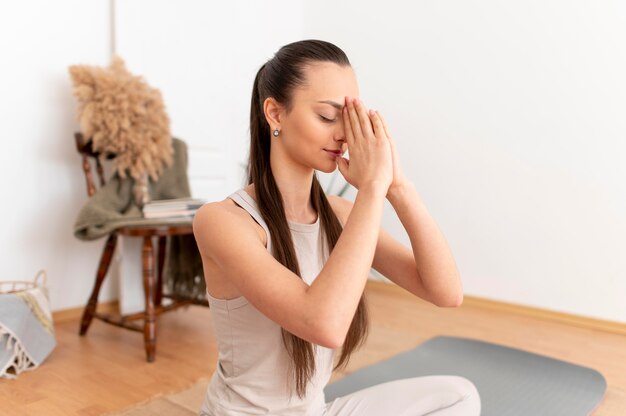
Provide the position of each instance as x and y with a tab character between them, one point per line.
327	120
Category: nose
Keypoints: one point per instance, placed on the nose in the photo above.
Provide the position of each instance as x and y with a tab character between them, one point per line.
340	135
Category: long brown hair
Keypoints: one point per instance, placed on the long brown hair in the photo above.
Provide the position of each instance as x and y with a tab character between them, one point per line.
278	78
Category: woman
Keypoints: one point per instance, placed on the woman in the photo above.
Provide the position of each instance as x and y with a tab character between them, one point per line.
286	265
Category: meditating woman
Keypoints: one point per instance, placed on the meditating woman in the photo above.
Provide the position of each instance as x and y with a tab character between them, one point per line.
286	265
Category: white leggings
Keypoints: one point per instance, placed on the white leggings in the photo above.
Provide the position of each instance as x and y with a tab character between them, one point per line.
443	395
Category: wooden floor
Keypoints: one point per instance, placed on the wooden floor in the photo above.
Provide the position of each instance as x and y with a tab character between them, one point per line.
107	371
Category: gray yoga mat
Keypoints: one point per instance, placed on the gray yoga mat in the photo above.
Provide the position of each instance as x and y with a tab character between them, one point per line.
510	381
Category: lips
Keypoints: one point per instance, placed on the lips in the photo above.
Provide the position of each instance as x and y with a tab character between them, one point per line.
337	152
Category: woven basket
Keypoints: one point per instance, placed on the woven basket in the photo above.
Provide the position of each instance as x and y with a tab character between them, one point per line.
26	329
13	286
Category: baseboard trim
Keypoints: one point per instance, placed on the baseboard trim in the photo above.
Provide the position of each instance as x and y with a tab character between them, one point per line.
561	317
471	301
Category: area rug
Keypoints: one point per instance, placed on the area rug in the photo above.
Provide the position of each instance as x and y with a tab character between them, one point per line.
186	402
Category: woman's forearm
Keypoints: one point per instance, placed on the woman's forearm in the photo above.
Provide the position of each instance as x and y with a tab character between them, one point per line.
434	260
340	285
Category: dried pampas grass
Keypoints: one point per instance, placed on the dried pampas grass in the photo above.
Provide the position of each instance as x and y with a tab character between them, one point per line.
121	114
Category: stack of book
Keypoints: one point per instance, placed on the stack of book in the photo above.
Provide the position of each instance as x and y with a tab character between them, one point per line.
166	208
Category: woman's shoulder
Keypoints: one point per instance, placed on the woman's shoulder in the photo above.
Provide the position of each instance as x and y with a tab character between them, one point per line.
228	210
227	204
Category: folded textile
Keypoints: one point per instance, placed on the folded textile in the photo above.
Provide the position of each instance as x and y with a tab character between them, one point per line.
113	206
26	331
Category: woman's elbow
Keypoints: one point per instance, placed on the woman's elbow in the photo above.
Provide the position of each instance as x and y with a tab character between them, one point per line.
452	302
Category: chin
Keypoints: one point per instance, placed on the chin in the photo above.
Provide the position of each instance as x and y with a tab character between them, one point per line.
327	169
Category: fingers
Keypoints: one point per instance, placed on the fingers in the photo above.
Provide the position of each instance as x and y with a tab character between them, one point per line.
346	126
354	120
385	126
364	120
379	129
357	121
341	165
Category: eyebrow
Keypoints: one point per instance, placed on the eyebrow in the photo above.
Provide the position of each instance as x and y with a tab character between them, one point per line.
333	103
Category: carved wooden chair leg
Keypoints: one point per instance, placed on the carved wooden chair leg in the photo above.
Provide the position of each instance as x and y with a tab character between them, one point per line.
149	328
103	268
159	285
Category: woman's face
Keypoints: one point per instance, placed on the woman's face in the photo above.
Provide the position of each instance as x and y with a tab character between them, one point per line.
315	122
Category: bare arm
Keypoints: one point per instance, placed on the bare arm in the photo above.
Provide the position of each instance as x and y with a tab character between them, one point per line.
340	284
432	261
320	313
397	262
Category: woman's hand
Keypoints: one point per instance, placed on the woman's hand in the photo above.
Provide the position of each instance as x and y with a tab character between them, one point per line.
398	175
375	118
370	151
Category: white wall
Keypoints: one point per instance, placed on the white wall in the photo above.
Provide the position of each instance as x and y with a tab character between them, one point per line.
42	182
510	120
203	56
509	117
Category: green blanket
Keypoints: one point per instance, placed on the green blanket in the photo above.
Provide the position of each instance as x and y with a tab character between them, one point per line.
113	206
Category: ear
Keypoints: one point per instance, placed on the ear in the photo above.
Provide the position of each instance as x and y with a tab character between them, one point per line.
273	111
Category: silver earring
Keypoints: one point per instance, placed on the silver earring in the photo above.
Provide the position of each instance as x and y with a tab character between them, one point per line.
276	132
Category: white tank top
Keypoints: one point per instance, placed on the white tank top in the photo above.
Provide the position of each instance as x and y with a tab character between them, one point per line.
251	375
